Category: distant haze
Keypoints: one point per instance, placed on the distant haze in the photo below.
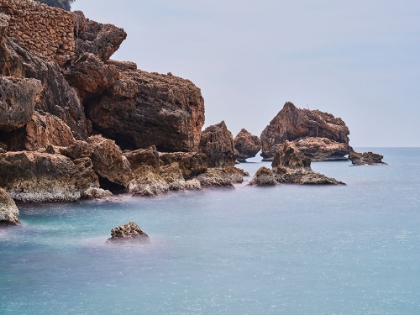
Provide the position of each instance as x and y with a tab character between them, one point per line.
359	60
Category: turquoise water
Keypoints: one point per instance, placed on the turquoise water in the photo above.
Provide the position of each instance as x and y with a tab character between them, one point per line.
279	250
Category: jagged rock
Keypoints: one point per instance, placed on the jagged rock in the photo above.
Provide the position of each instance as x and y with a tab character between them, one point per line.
193	184
57	96
30	176
303	177
80	23
236	174
99	39
191	163
291	157
96	193
123	65
110	164
128	232
146	182
143	109
246	145
9	212
173	176
292	123
42	130
263	177
77	150
90	76
367	158
217	144
140	157
323	149
215	177
17	101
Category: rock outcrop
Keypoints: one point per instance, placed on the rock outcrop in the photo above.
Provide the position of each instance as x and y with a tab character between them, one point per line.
236	174
9	212
173	176
263	177
290	156
292	123
246	145
42	177
323	149
147	182
191	163
128	232
367	158
217	144
215	178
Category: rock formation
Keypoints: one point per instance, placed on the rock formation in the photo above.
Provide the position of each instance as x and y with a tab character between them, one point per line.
215	178
147	182
128	232
246	145
292	123
263	177
290	156
323	149
9	212
367	158
236	174
217	144
191	163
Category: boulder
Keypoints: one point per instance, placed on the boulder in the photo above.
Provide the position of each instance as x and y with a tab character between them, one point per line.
236	174
9	212
193	184
173	176
263	177
290	156
17	101
323	149
303	177
77	150
142	109
146	182
141	157
367	158
128	232
217	144
292	123
215	177
96	193
30	176
191	163
246	145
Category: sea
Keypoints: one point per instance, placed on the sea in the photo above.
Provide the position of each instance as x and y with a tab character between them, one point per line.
287	249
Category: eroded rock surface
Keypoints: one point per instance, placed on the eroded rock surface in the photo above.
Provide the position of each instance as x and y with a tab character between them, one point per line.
191	163
246	145
215	178
9	212
147	182
367	158
128	232
323	149
263	177
292	123
290	156
217	144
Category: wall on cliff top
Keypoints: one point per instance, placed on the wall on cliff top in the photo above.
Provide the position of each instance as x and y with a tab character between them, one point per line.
45	30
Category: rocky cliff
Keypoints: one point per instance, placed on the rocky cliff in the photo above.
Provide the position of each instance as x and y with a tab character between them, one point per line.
293	124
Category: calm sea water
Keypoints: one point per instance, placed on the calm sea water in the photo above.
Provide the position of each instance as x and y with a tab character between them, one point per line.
278	250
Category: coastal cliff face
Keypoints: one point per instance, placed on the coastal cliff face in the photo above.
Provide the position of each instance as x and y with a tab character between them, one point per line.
293	124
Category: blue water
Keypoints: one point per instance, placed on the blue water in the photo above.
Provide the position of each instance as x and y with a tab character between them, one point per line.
288	249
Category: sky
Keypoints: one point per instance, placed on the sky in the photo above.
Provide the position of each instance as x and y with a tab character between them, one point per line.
359	60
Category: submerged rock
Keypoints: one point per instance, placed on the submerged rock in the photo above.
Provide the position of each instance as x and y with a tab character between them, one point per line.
263	177
292	123
128	232
9	212
217	144
246	145
367	158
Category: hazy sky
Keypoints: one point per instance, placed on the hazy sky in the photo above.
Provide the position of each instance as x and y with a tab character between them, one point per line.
359	60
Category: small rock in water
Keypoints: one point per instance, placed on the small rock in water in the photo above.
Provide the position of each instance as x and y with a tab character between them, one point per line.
128	232
367	158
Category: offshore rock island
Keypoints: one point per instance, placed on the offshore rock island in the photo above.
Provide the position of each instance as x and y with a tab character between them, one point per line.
75	124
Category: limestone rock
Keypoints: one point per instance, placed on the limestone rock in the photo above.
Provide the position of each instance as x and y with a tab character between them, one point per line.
292	123
291	157
9	212
140	157
17	101
215	177
128	232
323	149
102	40
246	145
110	164
77	150
263	177
191	163
236	174
367	158
96	193
303	177
146	182
30	176
173	176
217	144
142	109
193	184
90	76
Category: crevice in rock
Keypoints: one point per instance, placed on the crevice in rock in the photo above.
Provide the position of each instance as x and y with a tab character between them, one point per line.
106	184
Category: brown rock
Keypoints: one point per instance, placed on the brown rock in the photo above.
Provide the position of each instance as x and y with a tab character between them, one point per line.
191	163
292	123
42	177
128	232
323	149
303	177
367	158
246	145
263	177
141	157
9	212
143	109
215	177
236	174
217	144
173	176
96	193
290	156
146	182
77	150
